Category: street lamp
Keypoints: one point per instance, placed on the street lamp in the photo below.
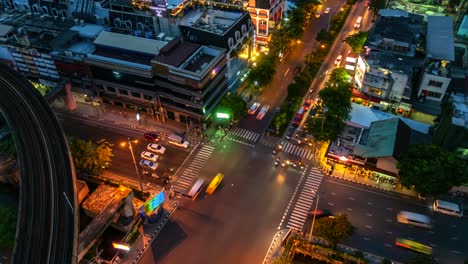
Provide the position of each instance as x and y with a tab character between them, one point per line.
344	159
313	219
129	142
325	110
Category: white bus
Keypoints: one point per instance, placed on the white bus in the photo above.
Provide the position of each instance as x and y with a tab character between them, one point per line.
196	189
447	208
414	219
358	22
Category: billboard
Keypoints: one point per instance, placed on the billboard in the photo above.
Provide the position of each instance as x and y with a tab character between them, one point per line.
152	205
360	71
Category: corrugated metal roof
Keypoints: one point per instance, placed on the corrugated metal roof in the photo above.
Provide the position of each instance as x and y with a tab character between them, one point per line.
439	40
130	43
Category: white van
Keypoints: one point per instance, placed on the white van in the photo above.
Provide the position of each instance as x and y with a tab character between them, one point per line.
414	219
447	208
178	141
358	22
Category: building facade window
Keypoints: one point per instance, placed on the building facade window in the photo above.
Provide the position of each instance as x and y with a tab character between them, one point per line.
136	94
435	83
122	91
148	97
262	22
262	31
434	94
110	89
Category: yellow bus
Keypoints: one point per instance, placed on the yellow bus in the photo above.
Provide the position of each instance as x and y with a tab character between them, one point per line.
413	245
214	183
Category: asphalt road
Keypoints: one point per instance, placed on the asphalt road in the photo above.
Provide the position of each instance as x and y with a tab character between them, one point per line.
122	162
373	214
47	223
236	223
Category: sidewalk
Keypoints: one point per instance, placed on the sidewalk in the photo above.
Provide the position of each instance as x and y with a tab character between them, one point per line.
127	119
346	173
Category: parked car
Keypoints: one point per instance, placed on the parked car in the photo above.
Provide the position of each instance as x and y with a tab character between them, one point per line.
262	112
151	137
146	164
253	108
156	148
149	156
327	10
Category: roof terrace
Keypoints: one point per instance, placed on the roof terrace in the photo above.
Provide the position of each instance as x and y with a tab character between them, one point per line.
214	21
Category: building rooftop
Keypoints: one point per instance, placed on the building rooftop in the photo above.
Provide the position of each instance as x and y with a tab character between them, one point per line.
463	29
214	21
393	62
176	52
396	33
130	43
439	39
385	138
460	113
104	194
90	31
364	116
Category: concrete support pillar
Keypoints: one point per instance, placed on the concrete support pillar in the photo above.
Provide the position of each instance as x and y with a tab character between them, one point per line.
69	100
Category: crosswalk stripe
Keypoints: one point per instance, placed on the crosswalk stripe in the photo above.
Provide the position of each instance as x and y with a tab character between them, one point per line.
287	147
256	137
244	133
296	219
308	195
310	154
294	226
304	207
303	152
302	213
185	181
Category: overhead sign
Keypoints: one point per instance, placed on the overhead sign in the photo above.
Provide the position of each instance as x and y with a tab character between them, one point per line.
222	115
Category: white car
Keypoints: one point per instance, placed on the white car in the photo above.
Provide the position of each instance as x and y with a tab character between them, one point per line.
253	108
156	148
146	164
149	156
262	112
338	60
327	10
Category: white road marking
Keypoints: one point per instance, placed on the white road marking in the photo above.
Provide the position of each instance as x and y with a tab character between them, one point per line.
332	204
389	220
370	203
369	214
349	209
390	209
368	226
388	232
351	198
388	245
286	72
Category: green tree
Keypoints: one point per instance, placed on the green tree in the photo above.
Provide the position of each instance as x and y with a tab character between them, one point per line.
263	73
7	145
233	104
422	259
332	112
376	5
90	157
356	41
334	229
8	218
340	75
431	170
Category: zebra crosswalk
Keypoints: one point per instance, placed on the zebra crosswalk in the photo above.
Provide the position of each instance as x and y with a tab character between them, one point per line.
244	134
298	151
305	200
191	172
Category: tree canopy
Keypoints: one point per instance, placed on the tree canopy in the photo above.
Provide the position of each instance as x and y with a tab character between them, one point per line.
341	76
233	104
331	113
90	157
376	5
356	41
8	217
334	229
431	170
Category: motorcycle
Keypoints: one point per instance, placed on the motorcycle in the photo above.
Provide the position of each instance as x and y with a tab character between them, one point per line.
277	162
